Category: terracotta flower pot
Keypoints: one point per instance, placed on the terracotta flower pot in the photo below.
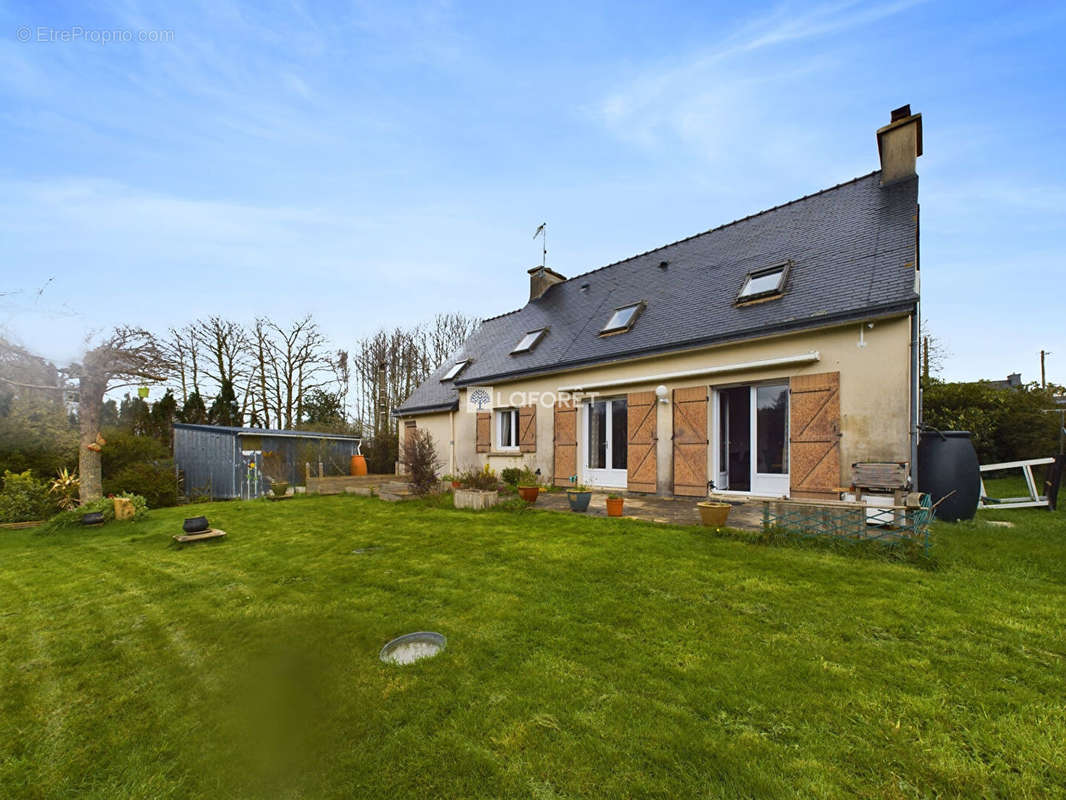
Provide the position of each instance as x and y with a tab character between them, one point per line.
713	515
614	506
529	493
457	484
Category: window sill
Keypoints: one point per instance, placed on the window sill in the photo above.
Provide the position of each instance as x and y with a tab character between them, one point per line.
508	453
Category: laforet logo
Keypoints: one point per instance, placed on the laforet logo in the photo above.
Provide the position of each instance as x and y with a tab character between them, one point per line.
479	398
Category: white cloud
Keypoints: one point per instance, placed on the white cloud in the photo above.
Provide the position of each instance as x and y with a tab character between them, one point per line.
740	106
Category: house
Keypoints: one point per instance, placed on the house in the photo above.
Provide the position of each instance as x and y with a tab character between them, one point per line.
761	357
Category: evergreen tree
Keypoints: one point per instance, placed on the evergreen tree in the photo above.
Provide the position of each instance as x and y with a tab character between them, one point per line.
163	412
225	411
134	415
194	411
322	408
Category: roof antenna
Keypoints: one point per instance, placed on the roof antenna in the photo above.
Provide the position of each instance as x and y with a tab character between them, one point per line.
542	232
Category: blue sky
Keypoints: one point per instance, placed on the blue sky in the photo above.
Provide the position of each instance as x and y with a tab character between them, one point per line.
375	163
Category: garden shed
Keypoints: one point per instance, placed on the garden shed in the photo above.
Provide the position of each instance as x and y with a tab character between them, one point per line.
222	462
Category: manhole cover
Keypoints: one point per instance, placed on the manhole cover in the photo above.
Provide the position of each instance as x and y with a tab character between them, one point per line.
412	647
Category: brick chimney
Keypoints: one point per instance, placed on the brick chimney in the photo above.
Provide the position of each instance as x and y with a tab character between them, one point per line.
541	279
899	144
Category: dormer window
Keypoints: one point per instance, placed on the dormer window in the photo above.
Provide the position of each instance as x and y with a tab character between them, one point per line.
529	341
622	319
763	283
455	369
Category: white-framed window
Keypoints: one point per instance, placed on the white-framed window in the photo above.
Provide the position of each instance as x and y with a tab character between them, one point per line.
529	341
763	282
507	429
455	369
623	318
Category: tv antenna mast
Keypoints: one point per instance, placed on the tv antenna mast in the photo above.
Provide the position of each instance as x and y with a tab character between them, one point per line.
542	232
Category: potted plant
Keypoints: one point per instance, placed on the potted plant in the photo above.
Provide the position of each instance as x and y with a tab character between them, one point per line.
614	505
453	480
477	490
713	514
279	488
579	496
528	485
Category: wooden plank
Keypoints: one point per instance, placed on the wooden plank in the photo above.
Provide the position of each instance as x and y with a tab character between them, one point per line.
690	441
213	533
641	459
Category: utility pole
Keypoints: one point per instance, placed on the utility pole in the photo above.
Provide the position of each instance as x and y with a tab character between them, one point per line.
1043	374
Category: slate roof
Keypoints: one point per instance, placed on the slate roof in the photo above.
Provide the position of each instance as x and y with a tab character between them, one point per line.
852	250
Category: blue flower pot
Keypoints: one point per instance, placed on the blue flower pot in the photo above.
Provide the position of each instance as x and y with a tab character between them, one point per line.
579	501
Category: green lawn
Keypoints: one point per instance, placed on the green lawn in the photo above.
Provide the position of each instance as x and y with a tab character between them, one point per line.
586	658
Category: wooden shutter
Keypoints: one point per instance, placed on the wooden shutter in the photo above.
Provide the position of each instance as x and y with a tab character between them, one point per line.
527	429
484	431
814	438
409	428
640	452
690	441
565	442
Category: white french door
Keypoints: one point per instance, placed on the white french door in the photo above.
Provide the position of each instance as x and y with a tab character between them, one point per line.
605	440
750	451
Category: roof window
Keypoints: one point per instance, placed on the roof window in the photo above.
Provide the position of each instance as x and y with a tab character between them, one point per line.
455	369
529	341
763	283
623	318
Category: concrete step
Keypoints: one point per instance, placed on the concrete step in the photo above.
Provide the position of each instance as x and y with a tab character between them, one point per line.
394	497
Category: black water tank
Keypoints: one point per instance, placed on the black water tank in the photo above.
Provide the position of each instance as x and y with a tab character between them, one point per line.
947	463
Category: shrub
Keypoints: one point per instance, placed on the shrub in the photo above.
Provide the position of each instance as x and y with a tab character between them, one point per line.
125	449
105	505
1007	424
483	479
25	498
511	475
381	453
528	477
154	481
64	488
420	456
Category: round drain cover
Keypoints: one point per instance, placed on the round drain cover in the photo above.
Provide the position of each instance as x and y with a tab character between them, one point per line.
412	647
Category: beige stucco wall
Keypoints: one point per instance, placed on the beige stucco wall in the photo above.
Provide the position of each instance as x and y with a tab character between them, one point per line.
874	395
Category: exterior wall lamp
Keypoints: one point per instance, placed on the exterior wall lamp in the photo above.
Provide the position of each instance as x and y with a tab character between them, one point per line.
661	392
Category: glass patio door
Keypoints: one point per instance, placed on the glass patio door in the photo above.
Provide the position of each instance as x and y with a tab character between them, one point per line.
751	451
606	438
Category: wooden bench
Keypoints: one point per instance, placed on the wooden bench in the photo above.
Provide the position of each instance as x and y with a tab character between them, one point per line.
186	538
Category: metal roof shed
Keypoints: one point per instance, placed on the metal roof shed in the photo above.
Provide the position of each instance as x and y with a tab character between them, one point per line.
223	462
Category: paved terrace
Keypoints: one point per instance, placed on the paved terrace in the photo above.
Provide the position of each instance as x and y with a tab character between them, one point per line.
674	511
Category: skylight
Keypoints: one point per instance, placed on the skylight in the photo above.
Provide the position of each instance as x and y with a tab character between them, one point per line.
623	318
763	282
455	369
529	341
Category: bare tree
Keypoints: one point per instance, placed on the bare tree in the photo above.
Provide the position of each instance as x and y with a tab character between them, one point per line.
288	363
183	352
934	352
225	349
128	356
